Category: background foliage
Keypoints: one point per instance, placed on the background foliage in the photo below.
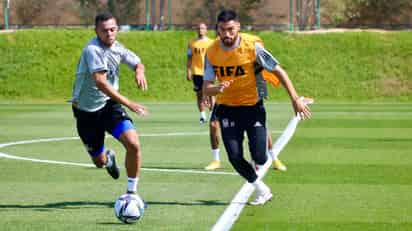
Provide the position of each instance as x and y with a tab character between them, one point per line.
353	66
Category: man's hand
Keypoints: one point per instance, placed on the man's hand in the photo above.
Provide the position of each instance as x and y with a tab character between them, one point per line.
188	76
140	77
138	109
301	108
224	84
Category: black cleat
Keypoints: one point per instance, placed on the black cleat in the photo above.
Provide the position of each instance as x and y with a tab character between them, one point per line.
112	170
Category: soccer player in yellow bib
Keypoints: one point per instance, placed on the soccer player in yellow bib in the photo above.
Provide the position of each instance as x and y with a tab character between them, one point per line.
195	66
214	125
232	60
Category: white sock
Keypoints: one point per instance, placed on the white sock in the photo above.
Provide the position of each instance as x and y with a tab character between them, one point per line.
203	115
274	154
216	155
260	186
132	184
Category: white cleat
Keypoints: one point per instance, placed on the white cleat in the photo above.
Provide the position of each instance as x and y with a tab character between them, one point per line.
262	198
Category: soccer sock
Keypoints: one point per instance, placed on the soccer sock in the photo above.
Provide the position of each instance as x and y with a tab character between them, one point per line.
132	184
203	114
260	186
216	155
274	153
109	162
271	154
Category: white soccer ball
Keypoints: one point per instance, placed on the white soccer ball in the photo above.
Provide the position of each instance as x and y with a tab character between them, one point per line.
129	208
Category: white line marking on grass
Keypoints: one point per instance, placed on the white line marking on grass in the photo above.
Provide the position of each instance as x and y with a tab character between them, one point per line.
191	171
232	212
8	156
76	138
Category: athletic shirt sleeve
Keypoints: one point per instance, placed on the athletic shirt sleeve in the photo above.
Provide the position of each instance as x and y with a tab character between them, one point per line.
265	59
130	58
95	60
209	73
189	52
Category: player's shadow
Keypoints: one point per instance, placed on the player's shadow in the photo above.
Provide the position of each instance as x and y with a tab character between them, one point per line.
193	203
94	204
59	205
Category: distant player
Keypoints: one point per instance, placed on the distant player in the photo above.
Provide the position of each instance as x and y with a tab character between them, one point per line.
232	60
194	68
97	102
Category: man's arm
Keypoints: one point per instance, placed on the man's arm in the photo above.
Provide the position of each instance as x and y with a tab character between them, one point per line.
189	64
268	62
102	84
298	105
209	77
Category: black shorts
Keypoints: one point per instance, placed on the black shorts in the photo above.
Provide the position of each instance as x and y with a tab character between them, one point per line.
197	82
91	126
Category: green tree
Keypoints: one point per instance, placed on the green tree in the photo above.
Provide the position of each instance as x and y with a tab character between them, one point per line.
246	7
124	10
209	9
376	11
27	10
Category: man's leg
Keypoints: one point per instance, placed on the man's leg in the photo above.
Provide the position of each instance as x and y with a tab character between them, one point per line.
197	87
91	132
276	163
232	136
201	106
257	136
130	141
214	143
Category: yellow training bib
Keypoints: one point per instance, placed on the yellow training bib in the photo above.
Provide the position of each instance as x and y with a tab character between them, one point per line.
236	65
199	48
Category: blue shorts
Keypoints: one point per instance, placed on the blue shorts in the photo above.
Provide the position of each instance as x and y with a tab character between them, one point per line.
91	126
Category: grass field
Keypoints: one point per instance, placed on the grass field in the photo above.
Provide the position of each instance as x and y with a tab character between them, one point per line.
349	168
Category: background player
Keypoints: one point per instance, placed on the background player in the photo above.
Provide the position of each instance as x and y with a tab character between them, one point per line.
195	67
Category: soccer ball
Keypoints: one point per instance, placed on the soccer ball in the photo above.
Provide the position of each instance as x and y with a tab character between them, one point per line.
129	208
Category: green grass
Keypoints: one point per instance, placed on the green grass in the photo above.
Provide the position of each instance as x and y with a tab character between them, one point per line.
348	169
39	65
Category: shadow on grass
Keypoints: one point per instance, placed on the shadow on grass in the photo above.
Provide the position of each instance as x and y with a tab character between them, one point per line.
93	204
60	205
192	203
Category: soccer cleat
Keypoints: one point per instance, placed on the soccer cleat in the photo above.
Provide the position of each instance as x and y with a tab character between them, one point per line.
277	165
262	197
202	120
113	170
213	165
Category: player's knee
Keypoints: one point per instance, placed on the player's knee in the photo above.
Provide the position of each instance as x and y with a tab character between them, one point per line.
133	147
235	158
261	158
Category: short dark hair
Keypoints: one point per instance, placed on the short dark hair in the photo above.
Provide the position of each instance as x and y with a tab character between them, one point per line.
101	17
227	15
